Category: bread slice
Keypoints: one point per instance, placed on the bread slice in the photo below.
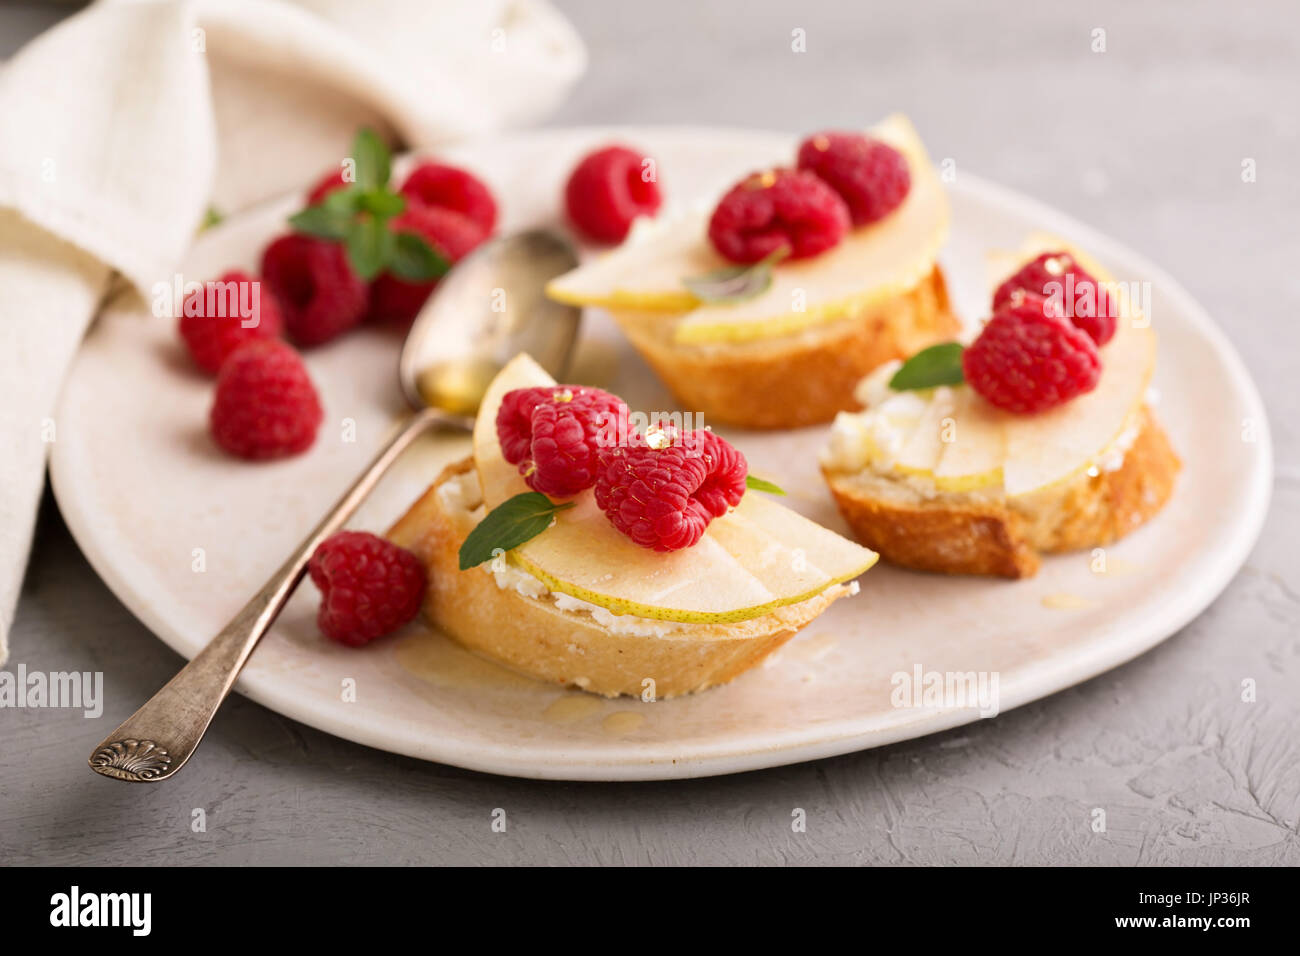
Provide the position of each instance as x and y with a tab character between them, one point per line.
792	380
533	635
987	533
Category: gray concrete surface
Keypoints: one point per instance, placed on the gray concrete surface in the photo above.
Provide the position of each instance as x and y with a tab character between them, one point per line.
1144	141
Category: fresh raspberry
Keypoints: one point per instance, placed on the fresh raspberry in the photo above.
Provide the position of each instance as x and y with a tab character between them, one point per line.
665	498
436	184
1083	300
553	433
265	405
1028	358
320	296
326	185
607	190
450	233
211	338
871	177
778	209
369	587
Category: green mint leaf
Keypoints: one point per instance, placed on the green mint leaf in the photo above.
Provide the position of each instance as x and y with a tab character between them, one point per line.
937	365
372	159
321	222
415	260
758	484
369	246
381	202
343	202
735	283
509	525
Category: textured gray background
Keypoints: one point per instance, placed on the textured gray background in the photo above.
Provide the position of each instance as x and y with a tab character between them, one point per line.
1144	141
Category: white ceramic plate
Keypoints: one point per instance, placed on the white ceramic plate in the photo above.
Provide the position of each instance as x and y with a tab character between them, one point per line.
151	502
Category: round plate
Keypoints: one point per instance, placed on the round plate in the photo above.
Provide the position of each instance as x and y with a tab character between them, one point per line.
184	535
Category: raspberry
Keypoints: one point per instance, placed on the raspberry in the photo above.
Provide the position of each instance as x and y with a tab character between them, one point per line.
1090	309
320	296
553	433
435	184
607	190
450	233
778	209
265	405
369	587
871	177
326	185
1028	358
665	498
211	339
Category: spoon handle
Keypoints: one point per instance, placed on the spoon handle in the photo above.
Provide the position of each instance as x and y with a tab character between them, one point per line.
155	741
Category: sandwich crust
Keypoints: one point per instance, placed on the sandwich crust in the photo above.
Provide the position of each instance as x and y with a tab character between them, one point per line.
792	380
970	533
534	636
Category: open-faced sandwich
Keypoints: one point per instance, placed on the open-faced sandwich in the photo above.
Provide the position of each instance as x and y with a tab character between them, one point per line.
582	547
767	312
1037	437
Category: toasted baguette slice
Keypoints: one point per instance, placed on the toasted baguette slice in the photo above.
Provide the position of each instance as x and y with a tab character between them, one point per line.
536	637
973	533
793	380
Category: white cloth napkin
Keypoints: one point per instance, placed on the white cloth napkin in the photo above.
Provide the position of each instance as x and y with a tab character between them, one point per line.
123	124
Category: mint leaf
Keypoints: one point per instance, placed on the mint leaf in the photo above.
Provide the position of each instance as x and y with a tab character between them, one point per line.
372	159
758	484
937	365
509	525
415	260
382	203
369	246
342	202
735	283
322	222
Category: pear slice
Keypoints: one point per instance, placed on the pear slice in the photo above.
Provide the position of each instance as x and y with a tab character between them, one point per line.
873	263
924	446
756	558
1054	446
973	457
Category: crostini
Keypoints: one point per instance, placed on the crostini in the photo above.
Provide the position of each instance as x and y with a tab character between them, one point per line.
781	342
935	476
603	596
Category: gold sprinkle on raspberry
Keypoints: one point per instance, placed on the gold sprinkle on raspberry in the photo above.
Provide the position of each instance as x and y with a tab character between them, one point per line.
564	396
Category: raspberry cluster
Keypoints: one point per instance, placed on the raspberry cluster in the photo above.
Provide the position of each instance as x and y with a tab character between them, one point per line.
659	489
842	180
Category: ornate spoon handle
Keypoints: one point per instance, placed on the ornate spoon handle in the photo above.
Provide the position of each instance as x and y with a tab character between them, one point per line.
155	741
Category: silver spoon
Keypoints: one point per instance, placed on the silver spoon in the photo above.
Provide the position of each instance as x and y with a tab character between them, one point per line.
488	309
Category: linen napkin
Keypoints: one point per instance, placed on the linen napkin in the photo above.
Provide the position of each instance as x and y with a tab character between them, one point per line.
124	124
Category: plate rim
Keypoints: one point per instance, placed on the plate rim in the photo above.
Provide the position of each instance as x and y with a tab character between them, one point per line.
1083	663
